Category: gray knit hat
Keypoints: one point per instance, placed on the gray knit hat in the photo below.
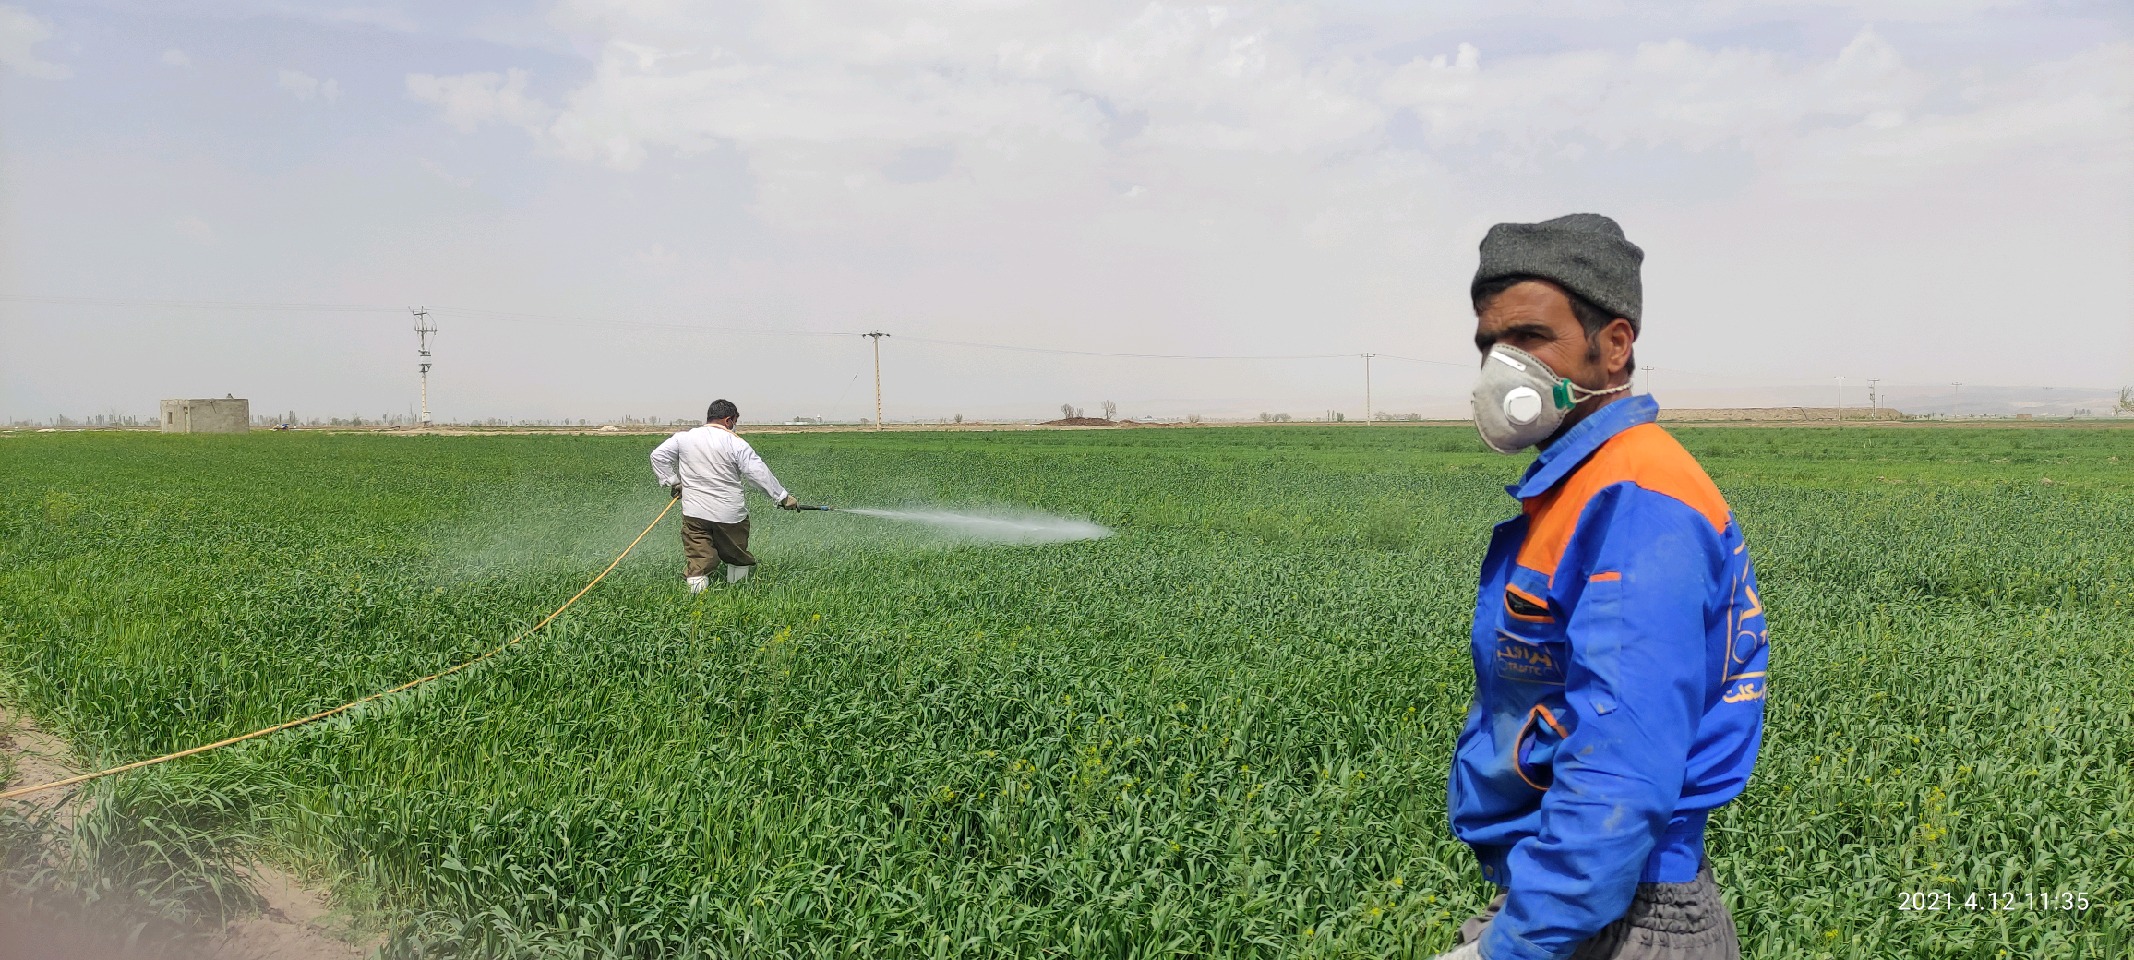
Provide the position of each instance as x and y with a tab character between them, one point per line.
1585	252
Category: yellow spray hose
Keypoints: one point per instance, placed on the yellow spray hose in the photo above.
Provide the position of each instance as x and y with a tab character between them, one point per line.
344	708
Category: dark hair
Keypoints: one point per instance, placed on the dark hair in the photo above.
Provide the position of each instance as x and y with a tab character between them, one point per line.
1591	316
720	410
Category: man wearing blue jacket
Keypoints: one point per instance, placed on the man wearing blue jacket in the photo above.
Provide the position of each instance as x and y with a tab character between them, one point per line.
1618	644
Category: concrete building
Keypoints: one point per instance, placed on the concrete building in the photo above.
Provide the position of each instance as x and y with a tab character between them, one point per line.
227	415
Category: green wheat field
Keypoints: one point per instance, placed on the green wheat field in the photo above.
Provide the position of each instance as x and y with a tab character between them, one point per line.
1221	732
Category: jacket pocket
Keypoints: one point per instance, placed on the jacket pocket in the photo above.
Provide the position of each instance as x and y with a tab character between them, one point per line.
1534	754
1526	606
1526	599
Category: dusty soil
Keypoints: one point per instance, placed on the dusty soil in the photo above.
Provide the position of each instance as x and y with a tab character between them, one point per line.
38	757
295	921
1079	422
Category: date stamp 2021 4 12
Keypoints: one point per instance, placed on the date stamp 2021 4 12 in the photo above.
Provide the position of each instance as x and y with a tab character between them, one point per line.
1940	901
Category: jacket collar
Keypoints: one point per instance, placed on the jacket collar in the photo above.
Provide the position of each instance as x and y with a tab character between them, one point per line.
1579	442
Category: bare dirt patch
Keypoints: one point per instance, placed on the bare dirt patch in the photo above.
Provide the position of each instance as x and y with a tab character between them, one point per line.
1079	422
34	756
294	921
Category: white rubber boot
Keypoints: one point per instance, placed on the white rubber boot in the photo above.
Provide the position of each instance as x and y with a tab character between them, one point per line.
736	574
697	584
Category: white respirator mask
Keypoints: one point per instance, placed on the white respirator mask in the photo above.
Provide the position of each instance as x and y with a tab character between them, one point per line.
1520	402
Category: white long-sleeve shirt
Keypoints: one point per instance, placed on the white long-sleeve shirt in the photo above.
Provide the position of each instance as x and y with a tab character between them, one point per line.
710	462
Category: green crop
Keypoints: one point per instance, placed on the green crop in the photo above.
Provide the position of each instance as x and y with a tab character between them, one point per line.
1222	732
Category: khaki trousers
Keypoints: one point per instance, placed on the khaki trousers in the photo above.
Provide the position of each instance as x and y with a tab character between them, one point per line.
707	543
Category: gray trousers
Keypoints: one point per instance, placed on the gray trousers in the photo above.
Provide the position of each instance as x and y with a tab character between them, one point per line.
1666	921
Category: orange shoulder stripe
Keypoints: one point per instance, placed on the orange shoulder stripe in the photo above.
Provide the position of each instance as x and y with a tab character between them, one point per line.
1645	455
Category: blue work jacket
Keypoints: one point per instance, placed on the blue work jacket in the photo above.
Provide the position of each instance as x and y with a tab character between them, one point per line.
1619	654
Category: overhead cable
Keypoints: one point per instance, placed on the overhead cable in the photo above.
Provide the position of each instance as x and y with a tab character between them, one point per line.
199	304
1137	356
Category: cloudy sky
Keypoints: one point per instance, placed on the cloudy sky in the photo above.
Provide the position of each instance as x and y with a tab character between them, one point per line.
626	207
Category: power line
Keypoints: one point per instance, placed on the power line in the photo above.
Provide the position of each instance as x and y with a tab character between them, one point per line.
472	312
1731	377
518	316
515	316
1134	356
200	304
1434	363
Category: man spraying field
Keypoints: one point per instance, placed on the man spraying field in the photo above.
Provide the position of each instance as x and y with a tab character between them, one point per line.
1619	646
705	468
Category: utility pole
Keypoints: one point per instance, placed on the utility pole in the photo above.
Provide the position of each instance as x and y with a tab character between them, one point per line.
1367	388
877	336
423	329
1874	399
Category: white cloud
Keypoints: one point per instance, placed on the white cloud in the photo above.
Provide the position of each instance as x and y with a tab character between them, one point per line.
175	57
20	33
1270	176
656	258
473	99
1262	135
195	229
870	83
438	170
2073	116
304	86
383	18
829	97
1665	93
